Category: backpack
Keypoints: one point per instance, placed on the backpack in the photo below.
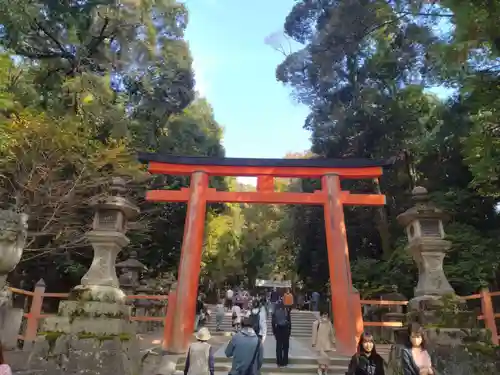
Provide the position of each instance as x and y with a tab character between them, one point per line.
281	318
255	319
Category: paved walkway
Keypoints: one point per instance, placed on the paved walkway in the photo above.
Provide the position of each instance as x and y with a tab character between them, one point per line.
297	349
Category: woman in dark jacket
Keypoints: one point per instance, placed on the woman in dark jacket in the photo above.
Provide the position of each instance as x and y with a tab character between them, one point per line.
366	361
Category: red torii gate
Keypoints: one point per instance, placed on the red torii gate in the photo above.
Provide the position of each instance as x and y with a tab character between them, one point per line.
331	197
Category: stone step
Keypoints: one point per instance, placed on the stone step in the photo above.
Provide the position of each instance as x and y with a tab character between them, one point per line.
311	371
269	368
302	361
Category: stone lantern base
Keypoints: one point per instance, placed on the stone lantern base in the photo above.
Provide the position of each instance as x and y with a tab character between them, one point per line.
91	334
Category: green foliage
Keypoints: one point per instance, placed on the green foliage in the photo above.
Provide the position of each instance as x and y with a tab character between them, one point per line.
83	87
362	71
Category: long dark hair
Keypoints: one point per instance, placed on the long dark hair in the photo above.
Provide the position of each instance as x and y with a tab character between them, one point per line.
415	329
366	336
1	354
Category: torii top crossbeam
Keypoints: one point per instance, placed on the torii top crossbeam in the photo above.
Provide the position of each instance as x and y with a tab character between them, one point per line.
291	168
265	170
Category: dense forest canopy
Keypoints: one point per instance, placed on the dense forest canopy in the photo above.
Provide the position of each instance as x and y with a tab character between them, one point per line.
364	69
85	85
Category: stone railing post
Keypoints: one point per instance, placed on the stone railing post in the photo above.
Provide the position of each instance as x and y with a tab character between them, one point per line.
13	233
92	332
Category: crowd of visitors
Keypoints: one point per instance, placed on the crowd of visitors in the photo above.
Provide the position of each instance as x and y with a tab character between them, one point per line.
247	353
249	319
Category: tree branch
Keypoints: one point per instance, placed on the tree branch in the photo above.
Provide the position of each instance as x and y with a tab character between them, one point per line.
52	37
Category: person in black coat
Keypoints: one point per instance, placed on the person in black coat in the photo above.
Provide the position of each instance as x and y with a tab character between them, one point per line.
366	361
282	328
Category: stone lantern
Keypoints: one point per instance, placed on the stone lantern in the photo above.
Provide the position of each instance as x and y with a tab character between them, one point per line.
13	233
130	273
108	238
424	227
92	331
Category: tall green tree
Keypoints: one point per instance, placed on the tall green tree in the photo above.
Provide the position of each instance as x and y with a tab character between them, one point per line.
362	71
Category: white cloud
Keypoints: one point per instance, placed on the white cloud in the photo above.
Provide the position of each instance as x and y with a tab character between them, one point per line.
202	68
202	84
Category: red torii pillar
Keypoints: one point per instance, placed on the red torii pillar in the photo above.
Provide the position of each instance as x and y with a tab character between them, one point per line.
183	312
339	266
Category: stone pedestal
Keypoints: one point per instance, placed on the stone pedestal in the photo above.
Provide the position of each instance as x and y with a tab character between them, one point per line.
92	332
388	332
429	254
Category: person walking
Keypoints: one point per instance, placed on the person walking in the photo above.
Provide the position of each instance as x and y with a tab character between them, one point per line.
315	301
220	311
229	299
258	317
246	350
282	328
323	340
200	357
236	317
366	361
200	312
288	299
274	298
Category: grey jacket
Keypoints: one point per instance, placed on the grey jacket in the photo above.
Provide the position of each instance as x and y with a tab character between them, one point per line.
242	348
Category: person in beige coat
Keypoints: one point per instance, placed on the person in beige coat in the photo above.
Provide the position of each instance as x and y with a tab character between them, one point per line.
323	340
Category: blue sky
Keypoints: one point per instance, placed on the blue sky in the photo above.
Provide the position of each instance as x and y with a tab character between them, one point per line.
235	71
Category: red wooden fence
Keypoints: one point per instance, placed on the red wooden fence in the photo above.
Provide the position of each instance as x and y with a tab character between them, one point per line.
35	313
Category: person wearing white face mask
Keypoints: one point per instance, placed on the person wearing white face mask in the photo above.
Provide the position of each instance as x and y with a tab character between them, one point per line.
415	358
323	340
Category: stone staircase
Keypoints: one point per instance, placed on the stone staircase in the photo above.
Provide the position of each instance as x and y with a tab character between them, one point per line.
297	365
226	326
302	360
302	322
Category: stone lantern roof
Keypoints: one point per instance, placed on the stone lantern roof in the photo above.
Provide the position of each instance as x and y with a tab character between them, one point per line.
423	208
132	263
116	200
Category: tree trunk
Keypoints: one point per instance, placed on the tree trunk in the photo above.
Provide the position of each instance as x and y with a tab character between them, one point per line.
383	224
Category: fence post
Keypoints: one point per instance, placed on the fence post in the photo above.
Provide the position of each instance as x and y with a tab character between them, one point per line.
34	315
489	314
